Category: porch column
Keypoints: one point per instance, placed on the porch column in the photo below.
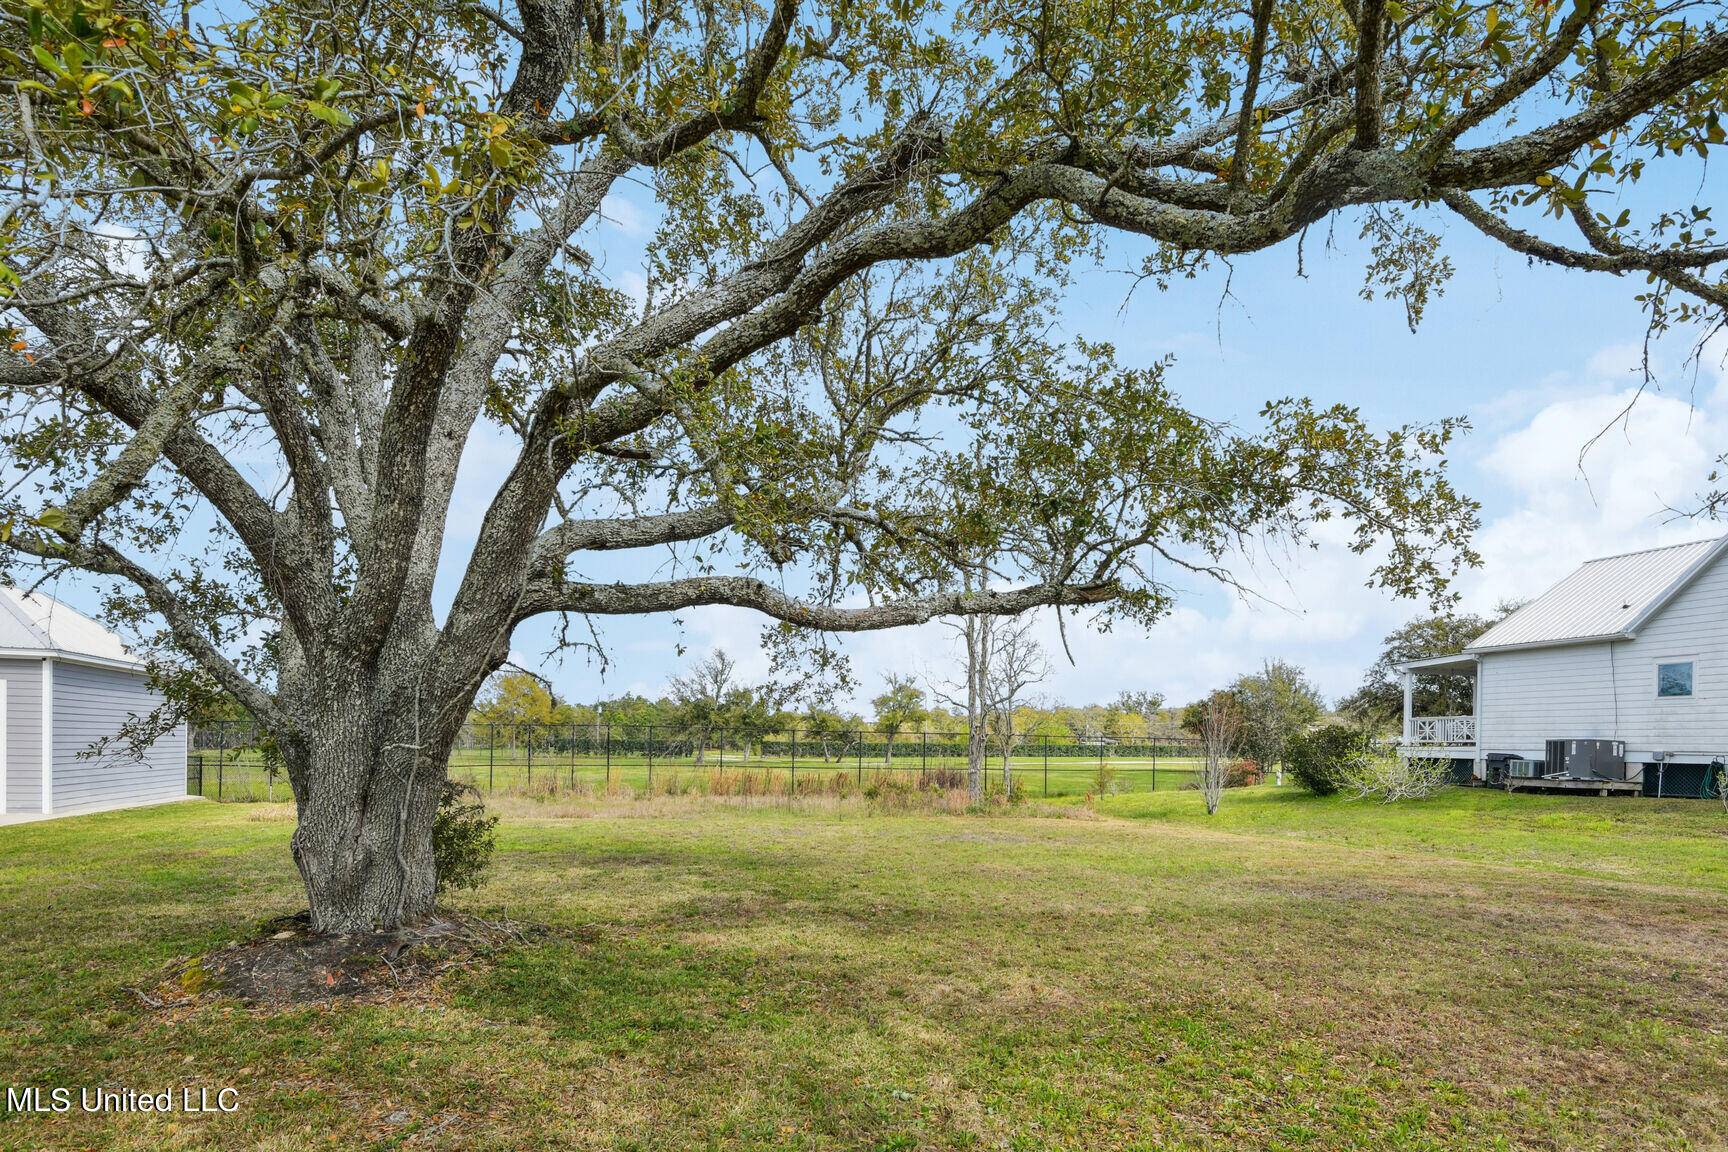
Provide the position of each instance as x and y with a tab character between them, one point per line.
1477	765
1409	690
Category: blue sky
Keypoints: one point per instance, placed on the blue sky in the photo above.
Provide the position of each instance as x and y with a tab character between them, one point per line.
1540	359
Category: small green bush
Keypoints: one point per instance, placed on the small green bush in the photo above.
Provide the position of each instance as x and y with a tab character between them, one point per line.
1321	759
463	837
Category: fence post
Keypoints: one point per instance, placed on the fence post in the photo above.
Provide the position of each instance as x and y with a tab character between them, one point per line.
793	794
650	762
608	750
859	741
1100	758
192	751
221	753
1046	763
491	755
530	743
575	731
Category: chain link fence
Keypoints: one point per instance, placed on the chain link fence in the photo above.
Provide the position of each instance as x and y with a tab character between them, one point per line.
226	760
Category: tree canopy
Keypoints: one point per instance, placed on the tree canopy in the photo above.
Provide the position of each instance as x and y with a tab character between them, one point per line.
1277	704
269	264
1379	702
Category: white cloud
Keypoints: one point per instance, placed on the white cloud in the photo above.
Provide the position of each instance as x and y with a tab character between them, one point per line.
1594	474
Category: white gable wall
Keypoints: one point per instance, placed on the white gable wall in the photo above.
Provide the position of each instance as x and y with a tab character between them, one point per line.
90	704
23	734
1608	689
1693	626
1533	695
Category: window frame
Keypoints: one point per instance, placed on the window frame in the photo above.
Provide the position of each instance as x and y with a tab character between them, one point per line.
1662	662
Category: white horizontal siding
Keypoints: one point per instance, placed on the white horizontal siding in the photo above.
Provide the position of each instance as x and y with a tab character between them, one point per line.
1608	689
23	734
1538	694
1694	626
91	704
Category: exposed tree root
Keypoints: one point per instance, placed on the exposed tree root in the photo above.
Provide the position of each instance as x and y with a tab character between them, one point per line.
287	964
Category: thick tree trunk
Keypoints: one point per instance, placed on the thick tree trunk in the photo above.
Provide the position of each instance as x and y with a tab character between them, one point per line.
367	796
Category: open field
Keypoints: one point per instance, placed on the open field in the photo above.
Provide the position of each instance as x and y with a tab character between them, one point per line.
1480	971
240	775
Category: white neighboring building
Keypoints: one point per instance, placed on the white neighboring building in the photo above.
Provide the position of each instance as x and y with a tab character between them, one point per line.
65	683
1630	648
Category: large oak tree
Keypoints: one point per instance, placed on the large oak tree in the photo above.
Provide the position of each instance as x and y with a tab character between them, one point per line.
269	264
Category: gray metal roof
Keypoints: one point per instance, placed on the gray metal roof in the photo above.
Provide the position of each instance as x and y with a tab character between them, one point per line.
1609	598
32	622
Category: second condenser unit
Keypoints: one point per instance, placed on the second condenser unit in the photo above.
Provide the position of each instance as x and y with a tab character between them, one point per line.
1587	759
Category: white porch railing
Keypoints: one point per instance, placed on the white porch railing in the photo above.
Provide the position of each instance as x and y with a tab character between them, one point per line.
1443	730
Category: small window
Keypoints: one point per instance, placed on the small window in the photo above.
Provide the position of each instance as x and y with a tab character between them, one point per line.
1674	679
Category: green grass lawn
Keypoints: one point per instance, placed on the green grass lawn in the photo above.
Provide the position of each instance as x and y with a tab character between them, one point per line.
1478	971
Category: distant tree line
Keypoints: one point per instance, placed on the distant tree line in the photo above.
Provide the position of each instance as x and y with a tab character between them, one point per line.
711	703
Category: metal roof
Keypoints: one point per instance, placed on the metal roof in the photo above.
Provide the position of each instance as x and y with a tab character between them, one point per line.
1455	662
1606	599
31	622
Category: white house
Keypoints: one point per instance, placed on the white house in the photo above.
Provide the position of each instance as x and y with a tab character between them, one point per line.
1631	649
65	683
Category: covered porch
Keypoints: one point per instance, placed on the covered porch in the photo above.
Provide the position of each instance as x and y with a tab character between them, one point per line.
1442	737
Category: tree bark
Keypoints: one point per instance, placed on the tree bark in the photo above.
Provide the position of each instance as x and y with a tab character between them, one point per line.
367	783
976	751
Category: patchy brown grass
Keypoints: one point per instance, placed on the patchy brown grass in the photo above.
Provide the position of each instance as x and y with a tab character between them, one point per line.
734	973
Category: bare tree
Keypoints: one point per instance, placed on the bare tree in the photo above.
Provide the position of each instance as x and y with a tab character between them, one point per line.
1220	733
974	636
1017	661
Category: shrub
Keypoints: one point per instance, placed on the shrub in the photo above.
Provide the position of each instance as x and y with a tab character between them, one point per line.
1321	759
1243	774
1391	778
463	837
1104	779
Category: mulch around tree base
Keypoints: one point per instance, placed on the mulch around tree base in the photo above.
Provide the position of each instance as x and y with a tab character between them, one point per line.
287	964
